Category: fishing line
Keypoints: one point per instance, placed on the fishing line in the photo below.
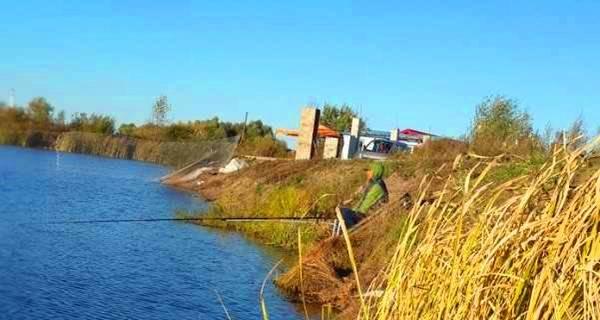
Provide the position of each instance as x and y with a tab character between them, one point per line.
223	219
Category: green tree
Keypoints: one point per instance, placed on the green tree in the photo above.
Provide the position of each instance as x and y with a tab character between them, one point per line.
94	123
338	118
208	129
127	129
40	111
160	111
178	132
257	129
500	126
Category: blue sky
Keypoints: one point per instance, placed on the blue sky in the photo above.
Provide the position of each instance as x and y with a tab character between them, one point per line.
422	65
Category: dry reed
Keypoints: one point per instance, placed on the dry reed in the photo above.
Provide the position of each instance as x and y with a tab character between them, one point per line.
526	249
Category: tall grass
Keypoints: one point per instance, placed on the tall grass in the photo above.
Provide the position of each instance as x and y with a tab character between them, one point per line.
526	249
290	189
174	154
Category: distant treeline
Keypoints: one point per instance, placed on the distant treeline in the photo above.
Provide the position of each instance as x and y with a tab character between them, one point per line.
39	125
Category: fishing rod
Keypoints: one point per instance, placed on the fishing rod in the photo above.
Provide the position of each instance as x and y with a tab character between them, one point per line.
302	219
202	219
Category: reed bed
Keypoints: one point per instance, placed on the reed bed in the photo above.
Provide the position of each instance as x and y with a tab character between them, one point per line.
173	154
526	249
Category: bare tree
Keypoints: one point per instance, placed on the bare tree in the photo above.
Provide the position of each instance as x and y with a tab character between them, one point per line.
160	110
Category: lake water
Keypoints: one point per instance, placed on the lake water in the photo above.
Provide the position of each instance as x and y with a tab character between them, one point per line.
160	270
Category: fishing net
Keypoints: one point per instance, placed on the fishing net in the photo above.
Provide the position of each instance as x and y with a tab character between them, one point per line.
200	157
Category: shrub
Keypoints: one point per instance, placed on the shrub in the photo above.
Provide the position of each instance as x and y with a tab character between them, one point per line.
127	129
94	123
263	146
501	127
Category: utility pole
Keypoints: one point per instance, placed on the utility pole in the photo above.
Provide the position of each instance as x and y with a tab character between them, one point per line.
244	129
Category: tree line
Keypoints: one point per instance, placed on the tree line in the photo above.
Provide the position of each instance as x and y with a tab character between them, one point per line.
499	126
42	121
39	119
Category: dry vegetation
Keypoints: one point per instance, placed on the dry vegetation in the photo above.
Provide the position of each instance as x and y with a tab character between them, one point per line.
509	235
283	188
469	246
174	154
502	224
38	125
528	248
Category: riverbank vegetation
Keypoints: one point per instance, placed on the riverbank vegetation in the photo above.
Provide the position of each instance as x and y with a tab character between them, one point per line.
526	248
38	124
282	189
502	223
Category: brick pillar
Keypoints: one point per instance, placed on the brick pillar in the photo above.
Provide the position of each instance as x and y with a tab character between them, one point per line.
331	148
309	126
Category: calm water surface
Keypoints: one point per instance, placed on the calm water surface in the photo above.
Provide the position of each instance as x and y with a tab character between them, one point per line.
163	270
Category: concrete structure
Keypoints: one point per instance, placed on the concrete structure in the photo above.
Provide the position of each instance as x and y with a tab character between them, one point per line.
355	128
332	146
307	137
395	135
350	141
368	144
309	125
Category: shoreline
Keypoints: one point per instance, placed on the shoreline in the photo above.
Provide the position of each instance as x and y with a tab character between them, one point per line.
264	186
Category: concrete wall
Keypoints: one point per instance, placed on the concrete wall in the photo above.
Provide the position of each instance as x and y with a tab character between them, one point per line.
355	129
331	148
309	125
350	142
395	135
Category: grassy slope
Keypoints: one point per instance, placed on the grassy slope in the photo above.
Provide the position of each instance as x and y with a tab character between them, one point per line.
292	188
283	188
496	240
528	248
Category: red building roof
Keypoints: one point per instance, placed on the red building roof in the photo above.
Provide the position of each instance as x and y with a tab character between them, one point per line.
413	132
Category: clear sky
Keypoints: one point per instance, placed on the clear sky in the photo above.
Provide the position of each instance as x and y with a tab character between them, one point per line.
423	66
